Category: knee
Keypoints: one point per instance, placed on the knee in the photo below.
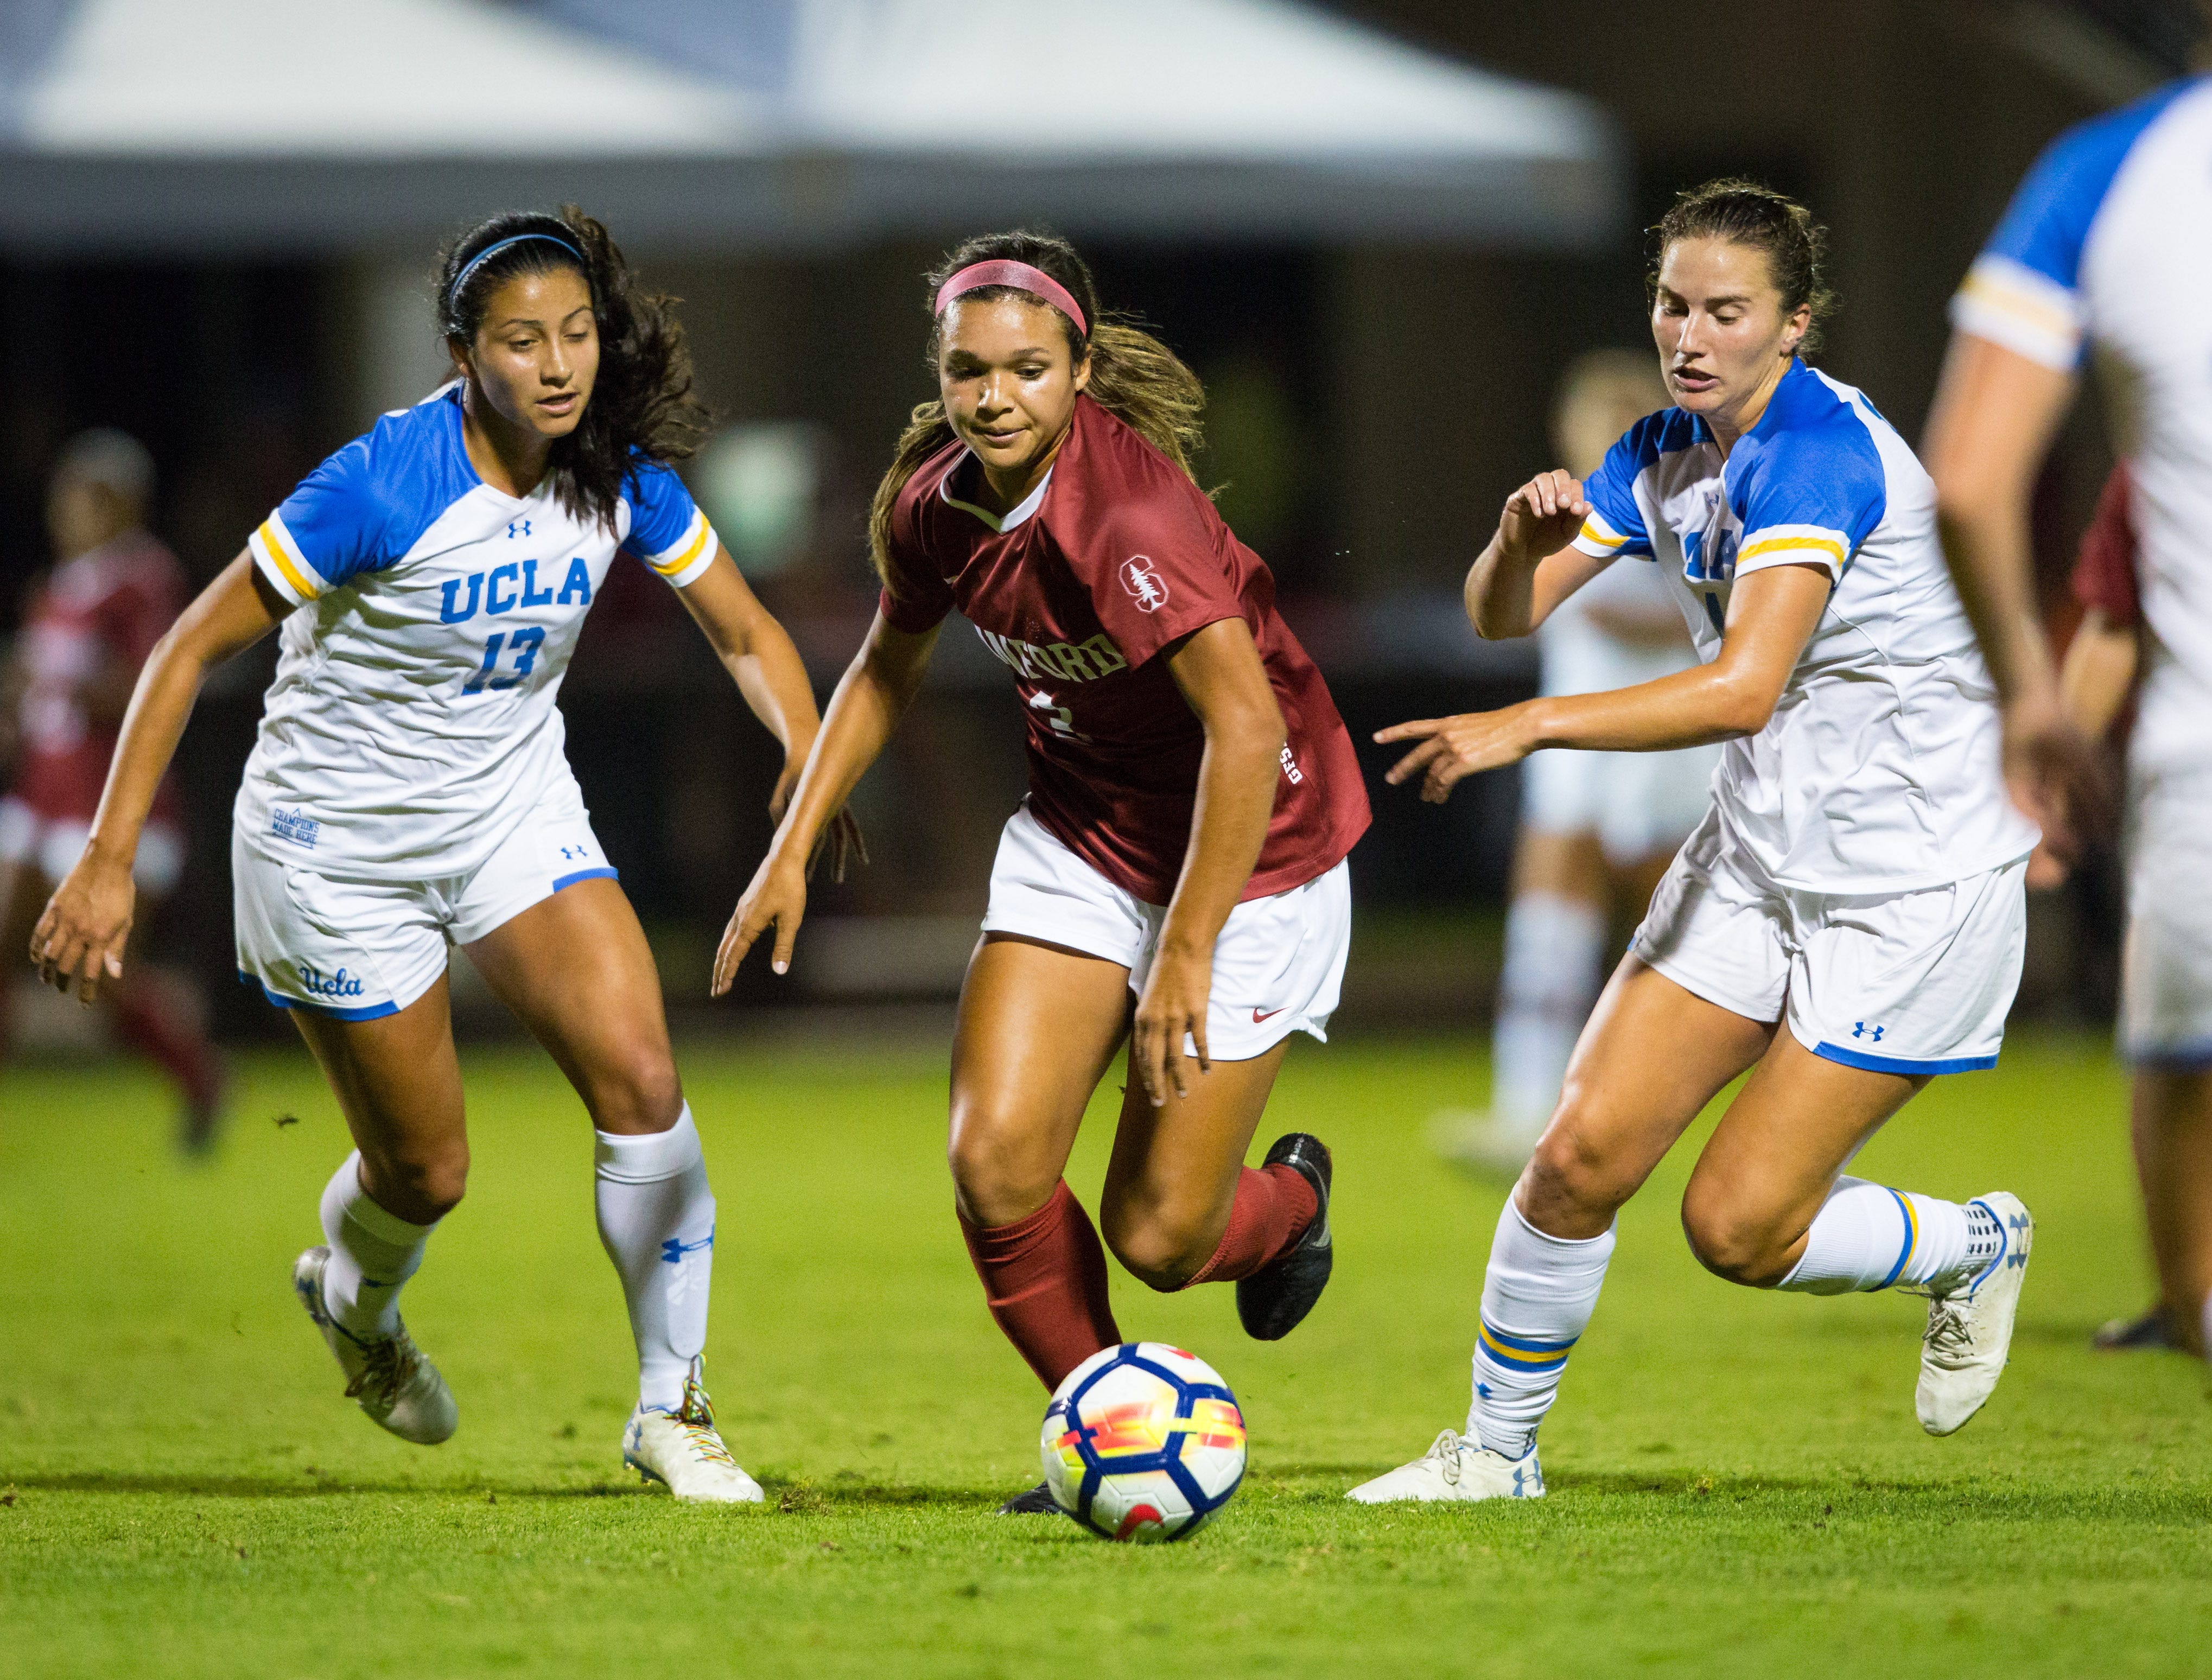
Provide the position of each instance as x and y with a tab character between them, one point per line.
999	1174
422	1184
635	1094
1570	1182
1163	1246
1732	1241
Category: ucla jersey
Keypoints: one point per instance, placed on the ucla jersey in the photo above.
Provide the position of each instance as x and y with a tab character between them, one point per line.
2108	243
1879	771
412	721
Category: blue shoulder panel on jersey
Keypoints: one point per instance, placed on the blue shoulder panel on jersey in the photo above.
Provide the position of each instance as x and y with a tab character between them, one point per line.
365	506
1810	461
2047	222
660	508
1611	487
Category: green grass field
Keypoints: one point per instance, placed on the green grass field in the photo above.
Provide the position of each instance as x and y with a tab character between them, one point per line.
1737	1479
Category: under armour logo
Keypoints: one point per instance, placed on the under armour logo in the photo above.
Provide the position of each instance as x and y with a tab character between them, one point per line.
572	853
1859	1031
517	528
1482	1389
673	1250
1520	1482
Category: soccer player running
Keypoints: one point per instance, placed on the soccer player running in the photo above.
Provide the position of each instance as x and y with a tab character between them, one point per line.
1846	924
1598	830
2108	242
91	624
1174	879
408	792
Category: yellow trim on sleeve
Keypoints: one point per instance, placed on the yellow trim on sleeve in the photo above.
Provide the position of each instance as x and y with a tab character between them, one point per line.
670	567
292	571
1592	533
1774	543
1998	295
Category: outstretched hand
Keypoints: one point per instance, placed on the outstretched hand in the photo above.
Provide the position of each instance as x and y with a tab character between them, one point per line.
1542	517
776	898
81	936
1454	748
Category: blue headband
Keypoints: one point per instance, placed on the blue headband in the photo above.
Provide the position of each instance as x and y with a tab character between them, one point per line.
498	245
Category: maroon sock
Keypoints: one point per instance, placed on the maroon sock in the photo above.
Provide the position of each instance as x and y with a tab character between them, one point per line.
1274	1207
1045	1279
159	1026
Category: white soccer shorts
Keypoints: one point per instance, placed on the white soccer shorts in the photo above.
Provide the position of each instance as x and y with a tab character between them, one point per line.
357	947
52	844
1278	965
2166	967
1911	983
1638	803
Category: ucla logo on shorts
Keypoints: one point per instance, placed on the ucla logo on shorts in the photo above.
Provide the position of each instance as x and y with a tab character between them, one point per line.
316	983
295	826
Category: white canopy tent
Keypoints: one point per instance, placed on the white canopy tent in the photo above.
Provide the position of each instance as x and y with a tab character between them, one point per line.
316	125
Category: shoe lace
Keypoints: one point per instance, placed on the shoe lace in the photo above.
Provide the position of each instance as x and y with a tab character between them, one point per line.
1444	1449
695	1419
388	1365
1949	1331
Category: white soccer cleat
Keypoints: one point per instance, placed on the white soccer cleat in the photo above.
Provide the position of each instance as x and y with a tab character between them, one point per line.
399	1388
1482	1142
682	1451
1456	1467
1970	1327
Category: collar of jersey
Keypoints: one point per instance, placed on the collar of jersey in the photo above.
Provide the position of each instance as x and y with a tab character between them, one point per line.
1017	515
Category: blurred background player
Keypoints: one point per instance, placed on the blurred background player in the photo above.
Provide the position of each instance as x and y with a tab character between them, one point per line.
113	590
2108	242
1848	920
410	791
1174	879
1598	830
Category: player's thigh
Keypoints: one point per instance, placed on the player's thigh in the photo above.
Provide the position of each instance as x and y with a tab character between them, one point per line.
1775	1155
1653	1054
1173	1174
1038	1029
576	970
399	1083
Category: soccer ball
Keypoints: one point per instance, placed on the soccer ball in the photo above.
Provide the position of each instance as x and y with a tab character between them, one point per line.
1143	1442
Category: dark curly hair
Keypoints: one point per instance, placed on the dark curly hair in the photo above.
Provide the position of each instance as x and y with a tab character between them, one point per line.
1133	376
1746	213
641	408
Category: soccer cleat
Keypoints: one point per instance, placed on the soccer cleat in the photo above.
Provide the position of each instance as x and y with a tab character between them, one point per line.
1970	1327
399	1388
1480	1141
682	1452
1273	1299
2154	1329
1456	1466
1033	1501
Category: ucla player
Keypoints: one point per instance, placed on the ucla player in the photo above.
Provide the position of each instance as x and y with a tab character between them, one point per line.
1174	880
408	792
1598	830
2107	244
1845	923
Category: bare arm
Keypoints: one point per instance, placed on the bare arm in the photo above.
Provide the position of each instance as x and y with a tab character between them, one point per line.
1528	567
2099	671
88	920
870	698
1772	615
1218	670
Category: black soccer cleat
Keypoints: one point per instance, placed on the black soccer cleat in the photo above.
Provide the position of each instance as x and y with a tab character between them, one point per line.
2155	1330
1037	1501
1275	1299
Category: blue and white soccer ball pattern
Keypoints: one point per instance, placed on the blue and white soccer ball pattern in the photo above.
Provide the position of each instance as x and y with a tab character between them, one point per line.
1143	1442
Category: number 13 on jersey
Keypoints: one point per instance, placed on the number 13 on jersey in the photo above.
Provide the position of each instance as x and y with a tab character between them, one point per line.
523	648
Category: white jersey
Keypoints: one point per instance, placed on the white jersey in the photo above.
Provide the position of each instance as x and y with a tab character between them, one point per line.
1879	771
2109	241
412	721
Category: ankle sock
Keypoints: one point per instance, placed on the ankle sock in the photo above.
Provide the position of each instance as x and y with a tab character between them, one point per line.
372	1252
1868	1236
1537	1298
656	1216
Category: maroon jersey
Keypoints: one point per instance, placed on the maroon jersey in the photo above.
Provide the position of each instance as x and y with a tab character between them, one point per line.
2105	575
110	606
1116	557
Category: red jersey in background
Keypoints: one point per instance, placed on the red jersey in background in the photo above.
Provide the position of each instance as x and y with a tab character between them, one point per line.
111	604
1116	556
2104	572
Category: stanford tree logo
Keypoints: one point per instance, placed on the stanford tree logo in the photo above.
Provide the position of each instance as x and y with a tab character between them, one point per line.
1143	581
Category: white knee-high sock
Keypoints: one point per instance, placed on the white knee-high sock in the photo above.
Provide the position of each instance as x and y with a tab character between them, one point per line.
1537	1297
657	1220
1868	1236
372	1252
1544	995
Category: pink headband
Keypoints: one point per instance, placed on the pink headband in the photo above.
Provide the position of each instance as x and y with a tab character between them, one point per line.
1019	275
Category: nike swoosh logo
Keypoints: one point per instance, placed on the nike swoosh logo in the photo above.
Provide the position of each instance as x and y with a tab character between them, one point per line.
1257	1016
